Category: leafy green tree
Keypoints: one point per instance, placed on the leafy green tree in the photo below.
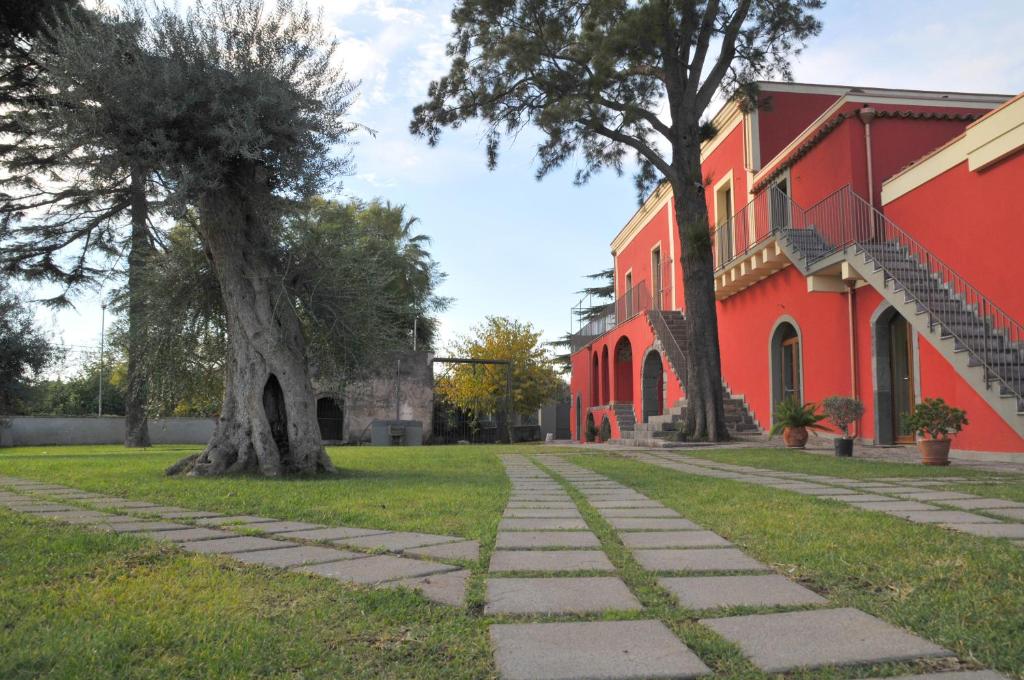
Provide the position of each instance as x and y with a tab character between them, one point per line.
24	350
604	80
81	179
481	388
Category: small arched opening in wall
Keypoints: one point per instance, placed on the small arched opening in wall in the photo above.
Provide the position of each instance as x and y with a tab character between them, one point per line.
652	385
605	383
895	363
330	415
785	357
595	382
579	418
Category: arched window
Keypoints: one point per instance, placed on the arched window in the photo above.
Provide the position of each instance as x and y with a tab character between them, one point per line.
595	383
605	384
786	364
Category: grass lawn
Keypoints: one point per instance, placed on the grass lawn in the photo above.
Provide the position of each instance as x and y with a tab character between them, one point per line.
963	592
75	604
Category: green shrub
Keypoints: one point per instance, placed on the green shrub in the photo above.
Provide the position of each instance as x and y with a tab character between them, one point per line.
936	419
791	413
842	411
591	430
606	429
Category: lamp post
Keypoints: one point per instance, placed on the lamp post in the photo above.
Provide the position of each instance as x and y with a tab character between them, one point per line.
103	328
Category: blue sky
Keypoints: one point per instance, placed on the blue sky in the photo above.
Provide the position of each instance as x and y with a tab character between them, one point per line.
516	247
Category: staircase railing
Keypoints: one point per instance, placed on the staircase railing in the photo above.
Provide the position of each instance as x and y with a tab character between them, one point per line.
755	223
845	219
675	353
634	301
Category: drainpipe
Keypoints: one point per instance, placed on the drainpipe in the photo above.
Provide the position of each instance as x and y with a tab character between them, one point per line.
850	307
867	114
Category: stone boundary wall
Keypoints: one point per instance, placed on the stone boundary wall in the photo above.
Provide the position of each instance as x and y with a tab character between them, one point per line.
62	430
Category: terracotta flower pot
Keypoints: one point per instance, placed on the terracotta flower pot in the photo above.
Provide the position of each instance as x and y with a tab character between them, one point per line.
934	451
795	437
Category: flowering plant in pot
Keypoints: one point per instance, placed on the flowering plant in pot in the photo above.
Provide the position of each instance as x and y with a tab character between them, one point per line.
842	411
793	420
934	420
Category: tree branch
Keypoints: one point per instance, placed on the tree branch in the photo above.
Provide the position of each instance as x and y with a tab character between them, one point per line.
725	56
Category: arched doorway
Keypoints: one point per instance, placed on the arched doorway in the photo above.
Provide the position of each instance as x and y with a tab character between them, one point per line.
331	417
623	371
786	364
595	383
579	417
652	386
605	385
894	376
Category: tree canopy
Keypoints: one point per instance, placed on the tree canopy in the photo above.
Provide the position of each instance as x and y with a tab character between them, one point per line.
25	350
481	389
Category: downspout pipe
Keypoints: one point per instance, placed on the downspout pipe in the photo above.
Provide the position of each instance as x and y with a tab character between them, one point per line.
868	114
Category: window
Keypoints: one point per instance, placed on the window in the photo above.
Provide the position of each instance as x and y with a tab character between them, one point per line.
656	283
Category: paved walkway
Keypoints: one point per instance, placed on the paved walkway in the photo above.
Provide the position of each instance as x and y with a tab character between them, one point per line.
549	562
431	564
911	499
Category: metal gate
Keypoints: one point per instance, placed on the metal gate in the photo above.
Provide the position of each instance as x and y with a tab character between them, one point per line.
452	424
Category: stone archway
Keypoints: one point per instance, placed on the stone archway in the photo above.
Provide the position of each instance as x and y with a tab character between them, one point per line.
330	416
894	359
652	386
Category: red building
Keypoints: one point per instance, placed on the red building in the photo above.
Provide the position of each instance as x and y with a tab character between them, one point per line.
865	245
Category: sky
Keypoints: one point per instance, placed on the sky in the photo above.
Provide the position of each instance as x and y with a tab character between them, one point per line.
512	246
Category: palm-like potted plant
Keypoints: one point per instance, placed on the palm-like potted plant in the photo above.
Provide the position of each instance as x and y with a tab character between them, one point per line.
842	412
934	421
793	420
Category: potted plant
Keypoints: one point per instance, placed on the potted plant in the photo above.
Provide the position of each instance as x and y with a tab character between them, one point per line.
842	411
605	431
591	430
935	421
793	419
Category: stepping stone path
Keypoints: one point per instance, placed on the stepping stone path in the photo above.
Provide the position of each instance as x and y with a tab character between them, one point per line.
421	563
907	498
702	570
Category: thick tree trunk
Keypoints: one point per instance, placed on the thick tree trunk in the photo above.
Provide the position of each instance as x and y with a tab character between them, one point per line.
136	425
705	412
268	419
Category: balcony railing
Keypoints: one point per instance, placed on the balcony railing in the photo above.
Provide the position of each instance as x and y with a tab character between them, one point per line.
755	223
636	300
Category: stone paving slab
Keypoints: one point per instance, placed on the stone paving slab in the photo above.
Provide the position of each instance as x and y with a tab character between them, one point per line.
189	514
858	498
698	559
944	517
777	643
540	524
935	496
539	497
75	516
541	504
121	503
293	557
231	519
375	569
396	541
638	512
566	595
955	675
991	530
834	491
550	560
651	523
331	533
190	534
983	504
626	504
713	592
595	650
235	544
141	525
1009	513
673	539
895	506
447	587
461	550
280	527
546	539
36	508
542	512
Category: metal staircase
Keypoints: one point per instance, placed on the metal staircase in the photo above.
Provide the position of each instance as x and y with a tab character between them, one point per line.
982	341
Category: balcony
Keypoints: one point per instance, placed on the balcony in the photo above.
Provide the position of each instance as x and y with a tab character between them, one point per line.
591	321
745	247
